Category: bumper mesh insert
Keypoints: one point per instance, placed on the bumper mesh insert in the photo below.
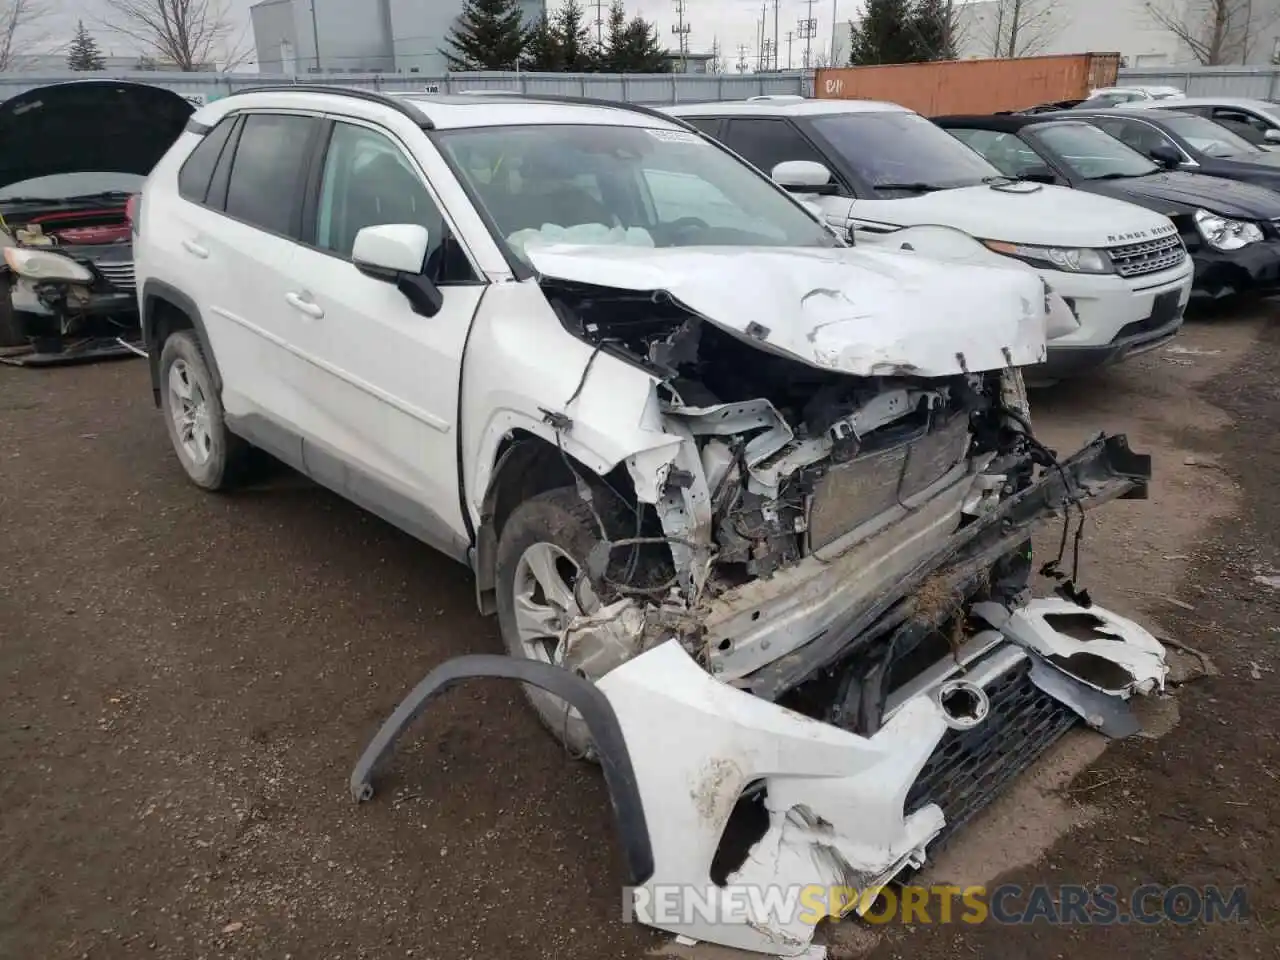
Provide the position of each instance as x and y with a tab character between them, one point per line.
969	768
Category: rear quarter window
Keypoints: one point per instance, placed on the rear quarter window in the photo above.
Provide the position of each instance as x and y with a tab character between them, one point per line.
197	171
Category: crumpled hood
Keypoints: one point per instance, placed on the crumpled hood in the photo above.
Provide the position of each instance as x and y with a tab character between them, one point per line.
1177	192
103	126
1030	213
862	312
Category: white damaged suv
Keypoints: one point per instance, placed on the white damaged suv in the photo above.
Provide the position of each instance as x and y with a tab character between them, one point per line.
752	507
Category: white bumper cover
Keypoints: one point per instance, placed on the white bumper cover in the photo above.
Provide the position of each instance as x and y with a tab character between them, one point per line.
835	800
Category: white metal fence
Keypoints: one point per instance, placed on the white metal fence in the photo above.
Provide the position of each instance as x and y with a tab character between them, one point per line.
1262	83
651	88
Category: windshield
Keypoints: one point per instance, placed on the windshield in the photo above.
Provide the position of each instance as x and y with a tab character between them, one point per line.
61	186
623	185
1208	137
902	151
1092	154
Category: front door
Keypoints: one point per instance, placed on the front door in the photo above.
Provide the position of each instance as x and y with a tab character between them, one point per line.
382	387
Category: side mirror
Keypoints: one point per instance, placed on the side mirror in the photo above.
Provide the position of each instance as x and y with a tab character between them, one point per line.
1272	135
1165	155
396	252
1038	175
803	176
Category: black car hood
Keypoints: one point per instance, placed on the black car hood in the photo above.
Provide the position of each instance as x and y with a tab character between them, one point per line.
1176	192
103	126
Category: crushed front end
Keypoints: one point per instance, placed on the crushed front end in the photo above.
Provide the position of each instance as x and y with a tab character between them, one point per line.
813	634
68	281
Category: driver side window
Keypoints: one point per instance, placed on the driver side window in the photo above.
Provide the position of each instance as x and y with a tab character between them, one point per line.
368	181
1139	136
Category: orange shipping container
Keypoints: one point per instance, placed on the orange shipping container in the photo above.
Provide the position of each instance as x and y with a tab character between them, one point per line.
972	86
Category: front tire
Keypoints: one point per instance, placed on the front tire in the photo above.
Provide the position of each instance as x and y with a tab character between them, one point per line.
542	554
211	455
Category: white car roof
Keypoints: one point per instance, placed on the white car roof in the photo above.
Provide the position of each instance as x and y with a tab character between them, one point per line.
446	111
1246	102
782	108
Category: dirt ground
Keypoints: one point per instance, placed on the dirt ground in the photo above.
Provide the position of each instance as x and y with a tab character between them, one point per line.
186	681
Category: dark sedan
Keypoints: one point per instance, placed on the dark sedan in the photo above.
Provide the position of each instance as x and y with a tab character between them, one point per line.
1231	228
1183	141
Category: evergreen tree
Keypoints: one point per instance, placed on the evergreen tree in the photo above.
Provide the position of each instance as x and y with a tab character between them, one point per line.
631	46
886	34
934	30
489	35
543	50
84	53
577	49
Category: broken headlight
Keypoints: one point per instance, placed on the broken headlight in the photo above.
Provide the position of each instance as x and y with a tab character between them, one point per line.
43	265
1224	234
1070	259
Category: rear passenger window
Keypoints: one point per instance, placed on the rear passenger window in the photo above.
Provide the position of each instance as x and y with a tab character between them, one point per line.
268	170
708	125
194	177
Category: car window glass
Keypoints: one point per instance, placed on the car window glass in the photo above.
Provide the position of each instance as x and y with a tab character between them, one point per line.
1005	151
194	177
268	169
608	185
901	153
708	125
1141	136
1091	153
1225	115
1213	139
367	182
766	143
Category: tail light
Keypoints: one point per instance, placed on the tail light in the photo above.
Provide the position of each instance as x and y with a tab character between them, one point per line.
132	212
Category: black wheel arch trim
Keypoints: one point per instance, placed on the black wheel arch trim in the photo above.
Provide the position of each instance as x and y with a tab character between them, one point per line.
157	291
597	713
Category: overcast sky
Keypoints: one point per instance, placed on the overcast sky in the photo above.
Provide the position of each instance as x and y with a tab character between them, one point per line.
731	22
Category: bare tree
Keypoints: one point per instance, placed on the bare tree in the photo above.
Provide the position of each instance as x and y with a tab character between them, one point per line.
19	23
1215	31
1021	28
190	34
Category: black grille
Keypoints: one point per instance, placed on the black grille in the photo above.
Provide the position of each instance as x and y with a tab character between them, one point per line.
1150	256
969	768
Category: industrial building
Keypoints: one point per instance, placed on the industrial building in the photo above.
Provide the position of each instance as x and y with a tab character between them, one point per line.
358	36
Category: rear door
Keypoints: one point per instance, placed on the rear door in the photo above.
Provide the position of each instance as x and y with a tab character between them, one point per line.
241	245
381	387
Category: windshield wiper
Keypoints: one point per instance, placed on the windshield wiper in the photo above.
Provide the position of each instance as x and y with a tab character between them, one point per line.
1121	176
103	195
915	187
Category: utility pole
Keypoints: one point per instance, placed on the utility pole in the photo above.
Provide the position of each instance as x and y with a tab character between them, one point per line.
599	5
315	34
776	4
835	18
764	33
681	30
742	58
808	28
790	36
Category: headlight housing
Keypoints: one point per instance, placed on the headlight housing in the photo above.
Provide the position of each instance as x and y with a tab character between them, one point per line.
44	265
1222	233
1066	259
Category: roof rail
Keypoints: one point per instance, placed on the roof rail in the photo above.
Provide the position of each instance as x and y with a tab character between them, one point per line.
372	96
588	102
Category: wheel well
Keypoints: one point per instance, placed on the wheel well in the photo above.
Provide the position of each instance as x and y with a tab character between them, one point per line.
527	465
163	319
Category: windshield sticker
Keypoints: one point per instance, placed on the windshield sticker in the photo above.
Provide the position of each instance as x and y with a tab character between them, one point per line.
675	136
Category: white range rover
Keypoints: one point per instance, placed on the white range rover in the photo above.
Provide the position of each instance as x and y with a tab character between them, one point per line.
752	507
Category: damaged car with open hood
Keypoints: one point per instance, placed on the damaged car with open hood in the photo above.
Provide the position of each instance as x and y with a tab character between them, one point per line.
72	157
752	506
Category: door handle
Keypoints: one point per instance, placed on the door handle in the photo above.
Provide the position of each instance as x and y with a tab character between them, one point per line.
195	249
304	306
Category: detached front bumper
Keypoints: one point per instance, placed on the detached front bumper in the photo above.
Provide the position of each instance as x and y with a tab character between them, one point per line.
1252	269
682	749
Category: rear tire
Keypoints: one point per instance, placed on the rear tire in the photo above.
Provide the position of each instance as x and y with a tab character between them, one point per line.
213	457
